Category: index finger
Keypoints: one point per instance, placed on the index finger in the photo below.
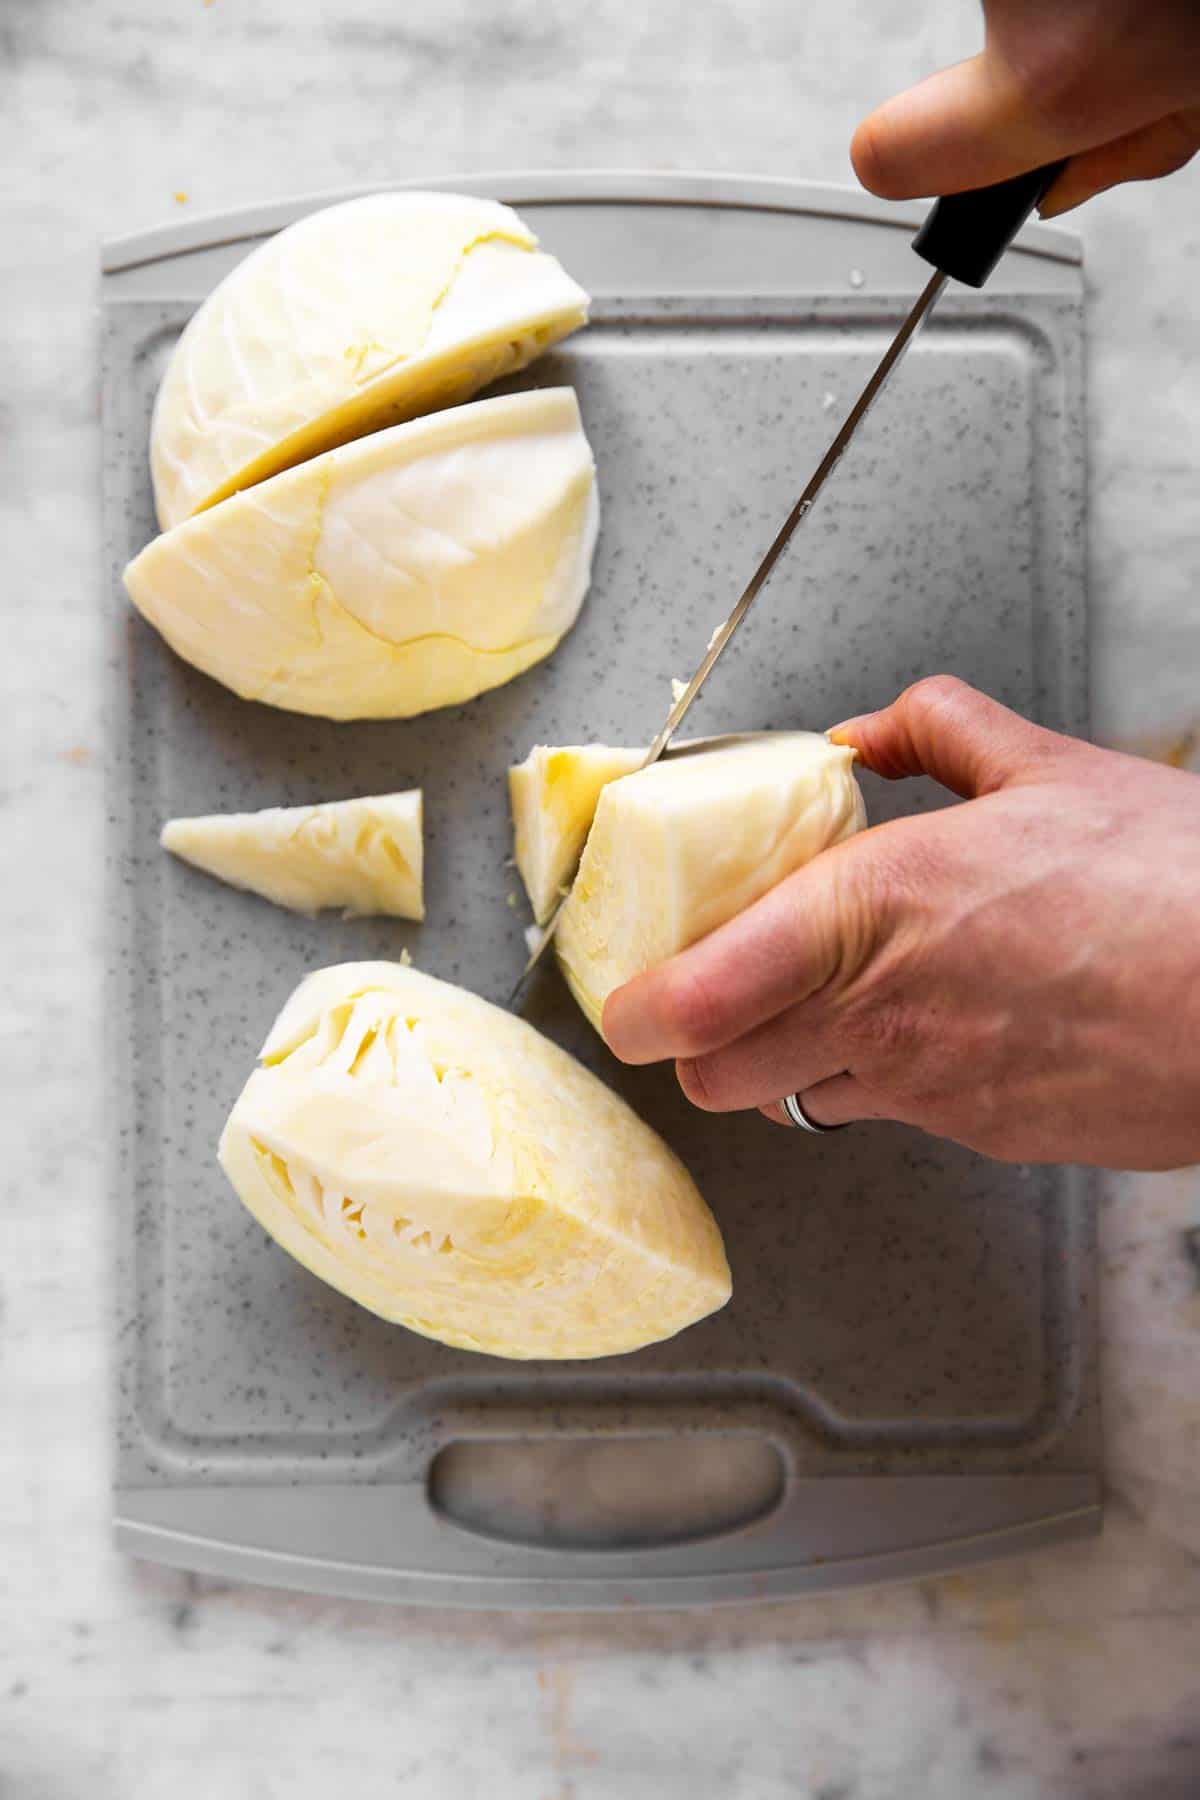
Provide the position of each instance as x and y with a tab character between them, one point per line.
798	939
964	127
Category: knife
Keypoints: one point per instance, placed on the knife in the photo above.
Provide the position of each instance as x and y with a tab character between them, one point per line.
964	236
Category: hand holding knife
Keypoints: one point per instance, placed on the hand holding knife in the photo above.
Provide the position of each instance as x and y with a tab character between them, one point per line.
964	237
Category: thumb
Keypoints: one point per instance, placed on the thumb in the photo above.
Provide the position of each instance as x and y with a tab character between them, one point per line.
943	728
963	128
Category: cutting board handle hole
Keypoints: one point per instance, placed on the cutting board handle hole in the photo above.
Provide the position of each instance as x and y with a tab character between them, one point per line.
619	1493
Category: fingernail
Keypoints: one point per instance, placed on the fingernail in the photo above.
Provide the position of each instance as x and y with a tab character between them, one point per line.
837	734
1059	200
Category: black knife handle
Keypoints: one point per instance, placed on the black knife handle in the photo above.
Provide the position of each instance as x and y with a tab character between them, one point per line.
965	235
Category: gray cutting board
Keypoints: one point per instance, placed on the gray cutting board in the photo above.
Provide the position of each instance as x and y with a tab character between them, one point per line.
905	1377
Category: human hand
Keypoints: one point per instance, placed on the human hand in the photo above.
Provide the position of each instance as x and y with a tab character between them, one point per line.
1020	973
1112	84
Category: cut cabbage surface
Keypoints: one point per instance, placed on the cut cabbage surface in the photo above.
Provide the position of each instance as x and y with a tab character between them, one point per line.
677	849
553	795
363	855
357	317
446	1166
412	569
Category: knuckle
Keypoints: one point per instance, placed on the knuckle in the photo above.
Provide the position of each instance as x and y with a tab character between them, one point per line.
941	709
881	1031
854	919
870	881
915	879
933	697
695	1080
881	1020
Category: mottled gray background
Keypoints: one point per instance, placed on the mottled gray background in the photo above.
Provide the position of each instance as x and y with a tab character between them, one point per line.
1073	1674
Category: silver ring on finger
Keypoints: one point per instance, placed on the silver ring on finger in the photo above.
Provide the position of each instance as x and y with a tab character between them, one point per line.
793	1107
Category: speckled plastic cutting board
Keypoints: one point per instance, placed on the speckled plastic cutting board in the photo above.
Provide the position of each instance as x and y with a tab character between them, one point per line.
904	1378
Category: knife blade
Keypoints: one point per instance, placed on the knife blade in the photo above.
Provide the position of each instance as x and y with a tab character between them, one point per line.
964	237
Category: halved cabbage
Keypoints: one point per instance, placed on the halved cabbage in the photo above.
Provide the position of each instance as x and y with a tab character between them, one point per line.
412	569
359	316
450	1169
